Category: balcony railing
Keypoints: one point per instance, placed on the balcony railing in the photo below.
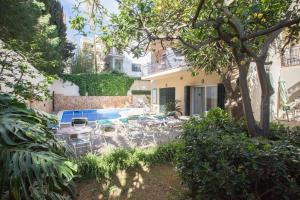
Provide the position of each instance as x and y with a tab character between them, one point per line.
154	68
290	61
291	57
168	61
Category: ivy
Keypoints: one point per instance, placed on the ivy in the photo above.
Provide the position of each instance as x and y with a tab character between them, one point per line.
101	84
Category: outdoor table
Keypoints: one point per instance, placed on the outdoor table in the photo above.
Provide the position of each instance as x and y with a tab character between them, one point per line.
74	131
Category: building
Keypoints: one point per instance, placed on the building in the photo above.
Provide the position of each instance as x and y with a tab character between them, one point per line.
171	80
114	60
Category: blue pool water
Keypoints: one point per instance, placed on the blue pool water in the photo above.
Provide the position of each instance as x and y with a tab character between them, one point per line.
92	115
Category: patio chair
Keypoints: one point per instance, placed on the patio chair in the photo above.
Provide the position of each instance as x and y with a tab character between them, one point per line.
81	121
98	133
131	128
148	131
83	140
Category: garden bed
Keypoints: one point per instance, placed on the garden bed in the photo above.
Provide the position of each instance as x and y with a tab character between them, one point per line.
160	181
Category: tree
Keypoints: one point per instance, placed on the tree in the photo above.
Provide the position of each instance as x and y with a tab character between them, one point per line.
83	62
245	27
36	28
19	78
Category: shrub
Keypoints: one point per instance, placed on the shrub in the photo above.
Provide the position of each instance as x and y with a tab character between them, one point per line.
107	165
219	161
101	84
33	163
281	132
173	106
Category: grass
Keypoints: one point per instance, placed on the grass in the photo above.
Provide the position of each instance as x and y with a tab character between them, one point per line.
131	174
159	181
107	165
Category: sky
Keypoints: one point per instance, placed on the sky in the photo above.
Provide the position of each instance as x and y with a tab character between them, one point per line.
73	35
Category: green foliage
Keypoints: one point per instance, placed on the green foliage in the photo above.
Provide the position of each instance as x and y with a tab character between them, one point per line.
141	92
173	106
19	76
219	161
101	84
33	163
107	165
37	30
83	62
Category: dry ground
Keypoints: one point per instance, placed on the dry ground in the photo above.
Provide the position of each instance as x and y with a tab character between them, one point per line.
160	182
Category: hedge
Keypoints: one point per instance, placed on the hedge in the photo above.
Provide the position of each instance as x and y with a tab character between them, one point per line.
141	92
101	84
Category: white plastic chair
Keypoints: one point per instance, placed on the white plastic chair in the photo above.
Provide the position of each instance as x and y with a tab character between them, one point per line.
83	140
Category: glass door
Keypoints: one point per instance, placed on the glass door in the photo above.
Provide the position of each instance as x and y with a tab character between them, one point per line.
211	97
166	95
198	100
203	99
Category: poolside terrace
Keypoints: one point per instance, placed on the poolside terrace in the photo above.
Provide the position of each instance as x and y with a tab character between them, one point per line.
138	130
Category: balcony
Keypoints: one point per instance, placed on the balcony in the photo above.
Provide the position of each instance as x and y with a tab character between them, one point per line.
290	62
291	57
168	61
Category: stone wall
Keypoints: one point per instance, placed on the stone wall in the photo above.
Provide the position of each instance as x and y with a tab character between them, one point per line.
140	101
46	106
90	102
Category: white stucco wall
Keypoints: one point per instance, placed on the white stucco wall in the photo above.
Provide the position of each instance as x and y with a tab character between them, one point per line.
129	59
291	76
65	88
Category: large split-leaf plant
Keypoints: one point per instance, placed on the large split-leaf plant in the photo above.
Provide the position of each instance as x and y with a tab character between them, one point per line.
34	164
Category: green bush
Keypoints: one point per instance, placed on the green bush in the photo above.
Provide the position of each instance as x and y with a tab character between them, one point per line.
107	165
101	84
220	161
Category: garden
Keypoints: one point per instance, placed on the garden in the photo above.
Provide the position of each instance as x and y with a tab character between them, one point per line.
214	159
224	154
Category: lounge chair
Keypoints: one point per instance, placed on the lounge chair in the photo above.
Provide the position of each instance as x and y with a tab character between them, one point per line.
105	123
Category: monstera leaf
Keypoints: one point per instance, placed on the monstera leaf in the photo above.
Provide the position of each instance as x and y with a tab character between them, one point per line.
34	164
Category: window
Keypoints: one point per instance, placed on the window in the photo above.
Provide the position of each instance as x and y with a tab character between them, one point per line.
118	65
154	96
295	56
136	67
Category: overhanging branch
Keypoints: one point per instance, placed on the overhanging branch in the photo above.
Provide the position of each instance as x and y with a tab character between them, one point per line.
199	45
280	25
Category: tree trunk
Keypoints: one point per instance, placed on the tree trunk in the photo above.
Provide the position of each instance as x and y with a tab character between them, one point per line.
235	104
266	92
243	71
251	124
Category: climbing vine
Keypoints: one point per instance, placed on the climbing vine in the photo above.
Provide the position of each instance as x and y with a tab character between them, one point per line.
101	84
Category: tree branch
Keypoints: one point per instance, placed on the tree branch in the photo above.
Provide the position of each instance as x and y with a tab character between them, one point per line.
199	45
199	8
265	48
276	27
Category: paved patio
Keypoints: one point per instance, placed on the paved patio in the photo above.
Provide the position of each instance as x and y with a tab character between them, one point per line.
117	139
142	136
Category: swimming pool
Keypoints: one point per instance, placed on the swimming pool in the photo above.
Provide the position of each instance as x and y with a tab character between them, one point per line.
92	115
